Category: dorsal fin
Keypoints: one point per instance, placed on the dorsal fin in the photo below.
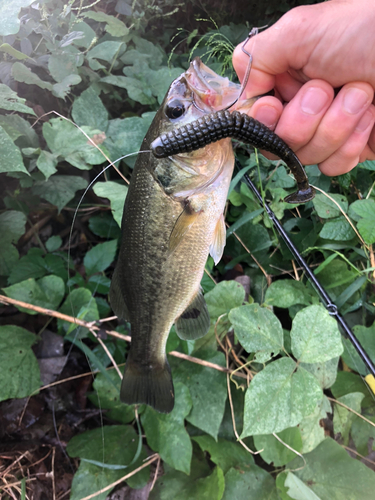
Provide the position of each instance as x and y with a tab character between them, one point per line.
194	322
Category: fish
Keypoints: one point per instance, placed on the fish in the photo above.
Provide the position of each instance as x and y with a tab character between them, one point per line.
172	220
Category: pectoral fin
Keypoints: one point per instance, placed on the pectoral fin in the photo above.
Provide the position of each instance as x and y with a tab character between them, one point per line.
116	298
218	243
184	222
194	322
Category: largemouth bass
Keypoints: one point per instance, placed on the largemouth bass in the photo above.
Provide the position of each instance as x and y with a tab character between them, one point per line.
173	218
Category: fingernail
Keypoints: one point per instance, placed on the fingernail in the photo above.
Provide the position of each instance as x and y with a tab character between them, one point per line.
314	101
364	122
355	100
267	115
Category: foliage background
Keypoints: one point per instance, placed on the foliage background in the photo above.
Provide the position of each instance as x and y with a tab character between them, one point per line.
106	66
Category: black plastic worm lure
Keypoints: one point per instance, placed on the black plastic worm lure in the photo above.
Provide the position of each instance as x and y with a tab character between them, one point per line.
215	126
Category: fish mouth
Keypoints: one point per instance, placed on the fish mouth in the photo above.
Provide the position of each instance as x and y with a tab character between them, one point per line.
211	91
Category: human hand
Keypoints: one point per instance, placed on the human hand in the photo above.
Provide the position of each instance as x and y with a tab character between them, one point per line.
307	53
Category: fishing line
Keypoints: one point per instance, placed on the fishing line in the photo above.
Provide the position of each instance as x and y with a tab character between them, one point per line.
74	340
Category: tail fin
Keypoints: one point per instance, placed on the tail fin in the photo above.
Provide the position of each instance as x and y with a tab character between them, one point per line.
152	386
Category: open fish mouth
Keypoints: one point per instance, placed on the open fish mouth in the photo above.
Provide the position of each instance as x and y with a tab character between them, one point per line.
211	91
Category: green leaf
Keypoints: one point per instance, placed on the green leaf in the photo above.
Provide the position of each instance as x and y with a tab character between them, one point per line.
53	243
116	193
298	490
100	257
337	229
19	369
89	110
62	66
366	230
114	26
59	189
312	432
9	99
366	337
315	336
257	328
33	265
47	163
114	445
255	483
138	91
161	79
210	487
287	293
326	209
347	382
167	435
9	11
47	292
332	475
106	51
224	453
103	225
80	304
67	141
62	89
107	397
224	297
325	372
363	208
8	258
208	391
23	74
279	397
10	155
12	225
361	433
274	451
126	135
343	418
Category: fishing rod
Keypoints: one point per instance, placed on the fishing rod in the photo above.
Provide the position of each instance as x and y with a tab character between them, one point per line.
324	297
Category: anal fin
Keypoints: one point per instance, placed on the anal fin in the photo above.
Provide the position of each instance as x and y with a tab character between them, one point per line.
116	298
185	221
218	243
151	385
194	322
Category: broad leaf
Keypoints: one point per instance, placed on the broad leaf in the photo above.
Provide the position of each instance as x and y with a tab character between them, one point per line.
46	292
274	451
10	155
9	11
89	110
207	388
255	483
59	189
224	453
9	100
287	293
327	209
100	257
167	435
257	328
315	336
19	369
106	454
333	475
279	397
116	193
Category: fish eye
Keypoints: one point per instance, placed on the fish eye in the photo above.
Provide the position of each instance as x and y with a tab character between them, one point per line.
174	109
